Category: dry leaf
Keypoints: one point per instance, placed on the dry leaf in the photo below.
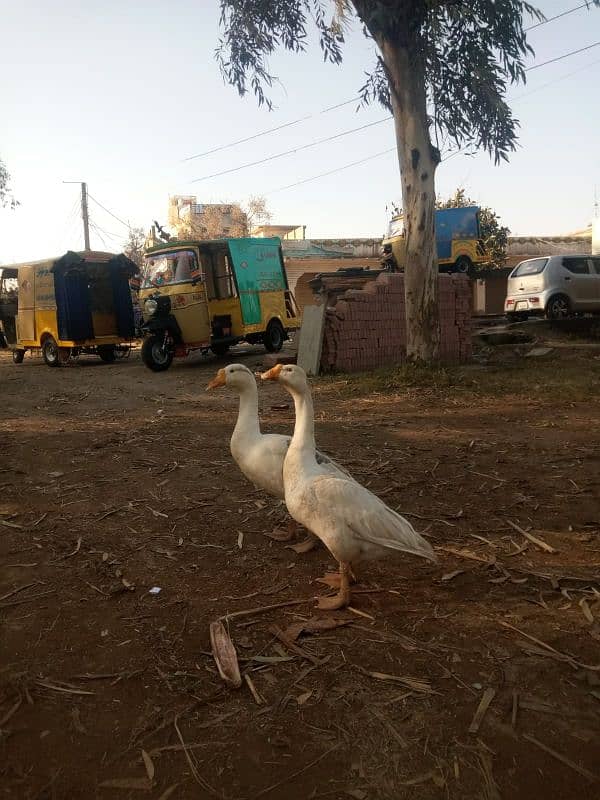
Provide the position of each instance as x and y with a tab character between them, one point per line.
304	546
415	684
168	792
77	724
315	625
428	776
240	541
149	764
450	575
225	655
280	535
141	784
301	699
587	611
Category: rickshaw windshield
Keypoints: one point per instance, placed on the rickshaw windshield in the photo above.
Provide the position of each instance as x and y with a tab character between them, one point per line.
164	269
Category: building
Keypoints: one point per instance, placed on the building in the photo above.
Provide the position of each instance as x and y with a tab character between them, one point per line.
188	218
285	232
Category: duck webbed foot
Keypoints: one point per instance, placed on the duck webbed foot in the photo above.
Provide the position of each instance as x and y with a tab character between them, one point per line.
343	596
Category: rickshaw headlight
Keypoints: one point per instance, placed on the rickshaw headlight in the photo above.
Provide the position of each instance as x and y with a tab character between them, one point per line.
150	306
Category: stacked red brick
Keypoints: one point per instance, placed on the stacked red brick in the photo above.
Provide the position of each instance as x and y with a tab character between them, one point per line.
367	328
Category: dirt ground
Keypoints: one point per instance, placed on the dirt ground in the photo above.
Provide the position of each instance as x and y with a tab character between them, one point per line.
114	480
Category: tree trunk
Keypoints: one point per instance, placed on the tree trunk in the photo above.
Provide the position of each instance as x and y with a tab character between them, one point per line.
418	162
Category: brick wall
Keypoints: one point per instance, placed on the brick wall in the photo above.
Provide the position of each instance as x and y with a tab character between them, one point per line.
367	328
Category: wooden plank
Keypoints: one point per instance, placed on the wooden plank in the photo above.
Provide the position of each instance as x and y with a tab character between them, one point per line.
311	339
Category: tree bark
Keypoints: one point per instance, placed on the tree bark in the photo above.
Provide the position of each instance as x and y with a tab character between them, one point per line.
418	161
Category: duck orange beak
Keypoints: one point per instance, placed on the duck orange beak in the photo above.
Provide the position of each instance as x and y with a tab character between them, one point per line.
272	374
218	380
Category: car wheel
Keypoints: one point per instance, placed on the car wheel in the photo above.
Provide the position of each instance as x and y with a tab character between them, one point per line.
156	355
274	336
558	307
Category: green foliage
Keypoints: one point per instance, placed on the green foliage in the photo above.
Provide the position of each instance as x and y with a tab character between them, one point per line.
493	233
466	53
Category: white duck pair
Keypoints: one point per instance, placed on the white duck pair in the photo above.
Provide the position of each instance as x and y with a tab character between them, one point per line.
351	521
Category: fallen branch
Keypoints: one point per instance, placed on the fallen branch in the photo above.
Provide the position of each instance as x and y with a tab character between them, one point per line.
11	712
64	689
533	539
559	757
563	656
17	590
293	775
261	609
197	777
293	647
26	599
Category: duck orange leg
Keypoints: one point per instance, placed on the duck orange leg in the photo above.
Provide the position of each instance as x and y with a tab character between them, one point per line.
334	579
342	598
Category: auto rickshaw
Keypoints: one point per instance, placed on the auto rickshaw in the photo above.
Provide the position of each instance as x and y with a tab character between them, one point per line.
78	303
8	306
210	295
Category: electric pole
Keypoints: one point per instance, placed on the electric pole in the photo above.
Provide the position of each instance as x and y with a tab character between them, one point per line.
84	213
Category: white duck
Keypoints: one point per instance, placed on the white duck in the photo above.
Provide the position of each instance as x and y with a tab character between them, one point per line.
260	456
352	522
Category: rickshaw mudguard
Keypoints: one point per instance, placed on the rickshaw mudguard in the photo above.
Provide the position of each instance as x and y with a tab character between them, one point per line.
161	324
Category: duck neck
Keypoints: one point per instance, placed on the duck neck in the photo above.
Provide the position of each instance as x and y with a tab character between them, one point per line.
247	425
304	429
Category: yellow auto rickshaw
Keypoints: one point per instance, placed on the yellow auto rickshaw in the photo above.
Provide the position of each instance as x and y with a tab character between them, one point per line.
78	303
210	295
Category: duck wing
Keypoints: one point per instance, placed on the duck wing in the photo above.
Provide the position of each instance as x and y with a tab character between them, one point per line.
358	513
332	466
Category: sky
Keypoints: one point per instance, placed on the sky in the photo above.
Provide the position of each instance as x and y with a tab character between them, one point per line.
119	94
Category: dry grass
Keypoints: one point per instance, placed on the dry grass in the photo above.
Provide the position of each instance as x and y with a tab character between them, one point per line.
575	380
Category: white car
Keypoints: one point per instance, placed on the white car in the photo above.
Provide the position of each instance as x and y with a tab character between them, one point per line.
556	286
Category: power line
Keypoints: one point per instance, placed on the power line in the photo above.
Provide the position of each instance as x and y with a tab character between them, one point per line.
293	150
113	237
557	80
344	103
332	171
461	151
95	228
126	224
557	16
565	55
352	130
272	130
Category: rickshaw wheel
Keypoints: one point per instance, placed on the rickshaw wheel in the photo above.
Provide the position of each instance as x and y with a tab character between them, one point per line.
154	355
219	349
274	337
107	353
18	356
51	352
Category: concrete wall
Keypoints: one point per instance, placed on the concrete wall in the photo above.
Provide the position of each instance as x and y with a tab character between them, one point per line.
367	329
530	246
